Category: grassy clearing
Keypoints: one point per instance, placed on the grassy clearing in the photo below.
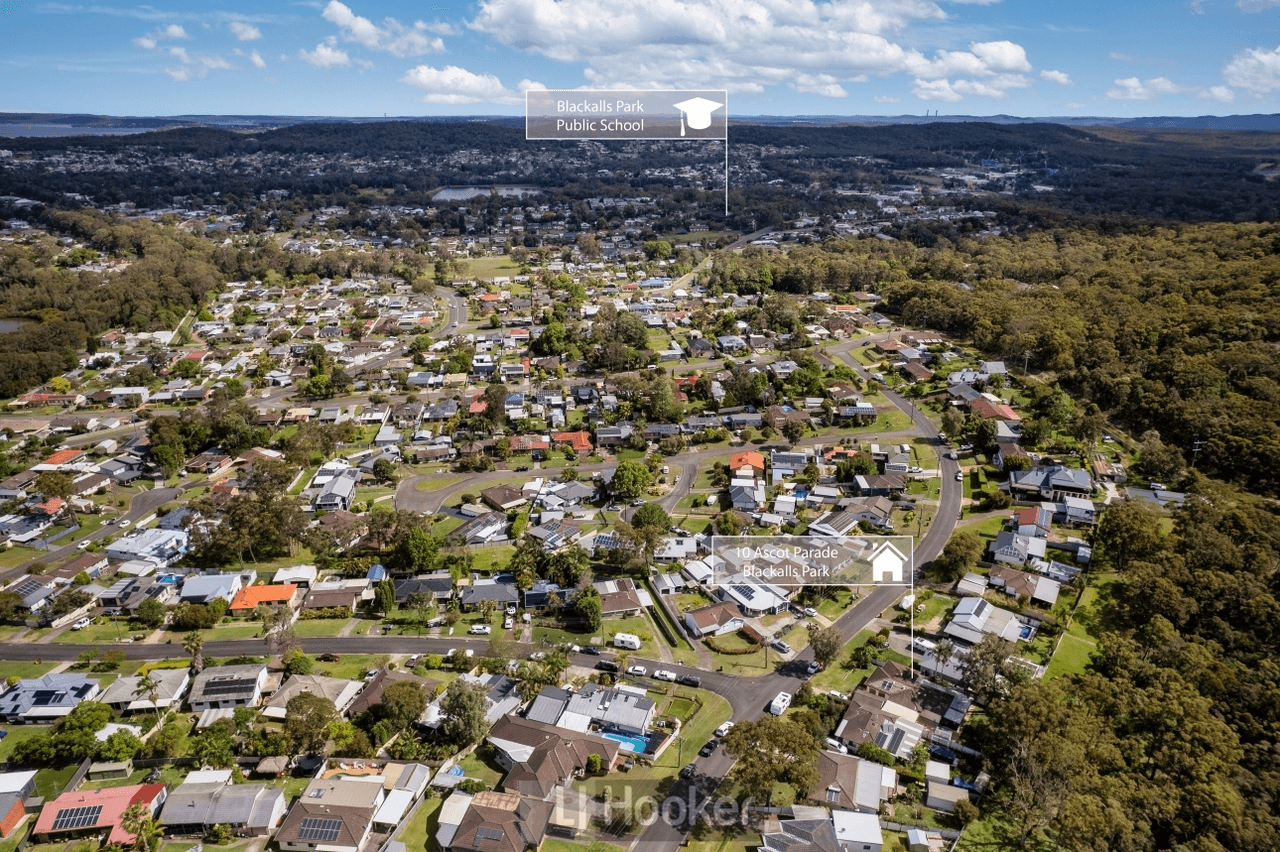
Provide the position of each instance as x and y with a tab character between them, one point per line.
419	833
320	627
36	669
1071	657
52	781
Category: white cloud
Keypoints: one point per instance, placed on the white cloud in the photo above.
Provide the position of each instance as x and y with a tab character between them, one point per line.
935	90
326	55
1256	5
743	45
1060	77
454	85
527	85
179	74
172	32
888	99
1257	71
253	56
1133	89
1217	93
245	32
393	36
1074	105
194	65
819	84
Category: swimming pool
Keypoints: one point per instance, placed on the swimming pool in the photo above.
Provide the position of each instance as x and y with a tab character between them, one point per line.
456	771
632	743
1026	631
168	579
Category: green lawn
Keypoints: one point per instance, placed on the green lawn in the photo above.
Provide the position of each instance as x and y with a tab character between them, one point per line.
320	627
350	666
491	267
102	633
492	559
743	842
234	630
36	669
419	833
481	767
1071	657
51	781
555	845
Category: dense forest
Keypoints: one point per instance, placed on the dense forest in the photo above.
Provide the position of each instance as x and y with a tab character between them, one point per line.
1172	329
779	172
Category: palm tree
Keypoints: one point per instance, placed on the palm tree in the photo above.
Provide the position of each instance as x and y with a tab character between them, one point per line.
942	655
150	687
193	644
138	821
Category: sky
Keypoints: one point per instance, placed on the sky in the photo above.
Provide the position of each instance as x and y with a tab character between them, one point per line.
774	57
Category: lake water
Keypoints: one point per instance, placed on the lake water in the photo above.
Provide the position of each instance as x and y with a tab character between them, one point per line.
66	130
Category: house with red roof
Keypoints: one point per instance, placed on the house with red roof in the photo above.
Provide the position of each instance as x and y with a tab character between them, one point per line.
83	813
988	410
748	458
249	597
580	441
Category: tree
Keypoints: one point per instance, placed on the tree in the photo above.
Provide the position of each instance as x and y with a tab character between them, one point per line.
589	608
417	552
150	612
119	747
728	523
952	421
384	470
138	821
772	749
961	551
651	515
421	605
631	479
826	643
988	668
384	597
55	483
1157	459
306	721
1128	531
464	706
193	644
793	431
402	704
278	630
296	662
148	686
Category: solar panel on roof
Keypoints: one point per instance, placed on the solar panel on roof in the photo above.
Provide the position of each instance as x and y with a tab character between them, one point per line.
486	833
29	587
320	829
226	687
69	819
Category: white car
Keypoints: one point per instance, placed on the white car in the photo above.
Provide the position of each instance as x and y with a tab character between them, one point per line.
959	476
663	674
780	703
538	655
84	545
508	623
724	729
639	671
480	629
810	611
82	623
124	522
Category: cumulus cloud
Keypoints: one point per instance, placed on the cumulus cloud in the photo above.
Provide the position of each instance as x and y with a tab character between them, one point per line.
812	46
245	32
453	85
1060	77
1133	89
392	36
171	32
326	55
1256	5
1257	71
888	99
819	84
1217	93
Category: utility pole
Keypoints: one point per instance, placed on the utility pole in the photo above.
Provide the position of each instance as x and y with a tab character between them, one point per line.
1196	446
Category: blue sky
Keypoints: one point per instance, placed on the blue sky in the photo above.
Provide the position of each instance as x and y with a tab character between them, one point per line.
779	57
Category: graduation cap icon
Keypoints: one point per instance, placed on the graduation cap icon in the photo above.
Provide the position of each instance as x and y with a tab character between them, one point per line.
698	111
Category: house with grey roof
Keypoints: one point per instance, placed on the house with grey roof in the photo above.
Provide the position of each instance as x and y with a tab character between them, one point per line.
228	686
47	698
205	588
208	797
124	696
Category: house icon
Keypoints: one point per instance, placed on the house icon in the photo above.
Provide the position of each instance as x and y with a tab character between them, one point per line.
886	564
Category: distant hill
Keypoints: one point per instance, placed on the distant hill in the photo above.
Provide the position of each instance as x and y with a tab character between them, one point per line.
12	124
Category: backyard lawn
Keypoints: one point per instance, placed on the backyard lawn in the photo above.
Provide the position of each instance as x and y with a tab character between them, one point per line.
320	627
419	833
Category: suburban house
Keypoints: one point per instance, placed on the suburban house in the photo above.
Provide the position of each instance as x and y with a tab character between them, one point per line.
373	689
340	691
621	597
621	709
207	797
943	797
488	589
540	756
713	620
15	789
438	587
974	617
228	686
84	813
205	588
1018	584
249	598
126	696
1050	482
1014	549
851	783
332	815
501	822
47	698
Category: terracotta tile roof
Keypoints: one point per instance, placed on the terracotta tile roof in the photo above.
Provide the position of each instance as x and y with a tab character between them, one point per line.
250	596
